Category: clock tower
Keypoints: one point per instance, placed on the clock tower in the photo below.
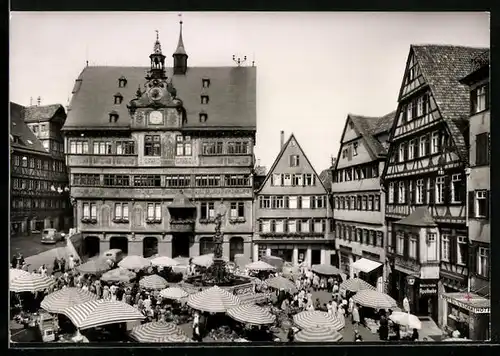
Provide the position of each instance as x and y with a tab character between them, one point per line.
157	70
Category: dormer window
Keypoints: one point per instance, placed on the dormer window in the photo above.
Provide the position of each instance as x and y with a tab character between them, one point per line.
118	98
204	99
113	116
203	117
205	82
122	82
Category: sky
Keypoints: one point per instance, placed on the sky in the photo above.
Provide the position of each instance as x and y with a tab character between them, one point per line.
313	69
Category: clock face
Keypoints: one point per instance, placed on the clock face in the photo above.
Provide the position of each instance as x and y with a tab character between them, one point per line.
155	118
155	94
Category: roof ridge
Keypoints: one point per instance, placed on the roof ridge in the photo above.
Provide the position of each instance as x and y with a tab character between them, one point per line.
447	45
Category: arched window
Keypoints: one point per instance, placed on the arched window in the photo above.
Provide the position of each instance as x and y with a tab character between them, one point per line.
236	246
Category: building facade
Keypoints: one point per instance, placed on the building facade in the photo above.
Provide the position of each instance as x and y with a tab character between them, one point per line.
39	180
425	179
292	212
155	153
358	200
470	313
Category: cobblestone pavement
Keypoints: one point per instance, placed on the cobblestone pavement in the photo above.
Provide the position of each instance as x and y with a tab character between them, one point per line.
30	245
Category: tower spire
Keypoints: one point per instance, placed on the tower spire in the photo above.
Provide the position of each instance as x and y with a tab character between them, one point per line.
157	46
180	55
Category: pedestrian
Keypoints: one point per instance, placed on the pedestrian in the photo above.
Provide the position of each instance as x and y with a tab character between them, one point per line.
355	316
71	262
383	330
196	327
55	267
414	335
63	264
357	336
406	304
291	335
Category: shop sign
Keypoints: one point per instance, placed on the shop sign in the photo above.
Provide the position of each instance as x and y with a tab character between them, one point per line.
467	306
427	289
407	264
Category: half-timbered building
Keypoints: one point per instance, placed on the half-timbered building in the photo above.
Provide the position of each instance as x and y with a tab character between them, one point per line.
469	311
155	153
358	202
424	178
292	212
39	180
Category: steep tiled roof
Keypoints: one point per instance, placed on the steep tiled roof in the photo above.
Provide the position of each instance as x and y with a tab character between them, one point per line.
18	129
419	217
442	67
326	177
40	113
370	127
232	96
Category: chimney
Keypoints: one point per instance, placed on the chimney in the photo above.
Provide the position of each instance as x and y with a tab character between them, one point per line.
258	162
39	101
31	101
282	139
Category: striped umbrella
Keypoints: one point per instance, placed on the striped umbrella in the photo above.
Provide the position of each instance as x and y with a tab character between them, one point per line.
16	272
325	269
31	282
205	260
355	285
310	319
173	293
95	266
134	263
260	266
101	312
456	339
213	300
118	275
251	314
158	331
318	334
374	299
65	298
153	281
164	261
282	284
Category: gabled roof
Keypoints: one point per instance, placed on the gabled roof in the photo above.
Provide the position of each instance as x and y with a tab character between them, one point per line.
181	201
41	113
232	93
419	217
278	159
18	128
370	127
442	67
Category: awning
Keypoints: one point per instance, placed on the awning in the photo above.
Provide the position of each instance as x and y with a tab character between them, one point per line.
366	265
469	301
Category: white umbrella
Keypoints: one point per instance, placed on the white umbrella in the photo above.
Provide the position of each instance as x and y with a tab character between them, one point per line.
405	319
134	263
153	281
173	293
156	331
31	282
260	266
205	260
313	318
16	272
318	334
374	299
101	312
164	261
251	314
65	298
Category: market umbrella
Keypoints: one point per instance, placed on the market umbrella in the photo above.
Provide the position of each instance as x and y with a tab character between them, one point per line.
31	282
456	339
355	285
325	269
213	300
251	314
101	312
282	284
173	338
95	266
16	272
65	298
173	293
158	330
310	319
205	260
260	266
118	275
153	282
374	299
318	334
405	319
164	261
134	263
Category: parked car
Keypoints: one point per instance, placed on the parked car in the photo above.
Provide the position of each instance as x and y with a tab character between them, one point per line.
115	255
52	236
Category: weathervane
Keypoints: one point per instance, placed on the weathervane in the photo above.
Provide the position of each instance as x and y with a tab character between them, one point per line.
180	18
238	60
